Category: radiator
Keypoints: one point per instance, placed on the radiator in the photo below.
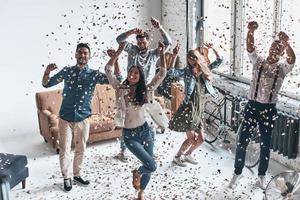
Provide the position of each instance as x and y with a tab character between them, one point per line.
285	137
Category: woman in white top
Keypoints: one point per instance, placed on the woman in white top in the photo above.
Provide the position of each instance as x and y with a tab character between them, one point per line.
133	93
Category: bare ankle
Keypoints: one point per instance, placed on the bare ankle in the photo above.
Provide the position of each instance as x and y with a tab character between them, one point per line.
141	195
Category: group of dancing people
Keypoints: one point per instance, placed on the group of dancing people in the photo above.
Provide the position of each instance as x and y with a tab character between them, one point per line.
136	104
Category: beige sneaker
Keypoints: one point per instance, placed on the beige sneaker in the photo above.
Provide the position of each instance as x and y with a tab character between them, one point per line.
234	180
190	159
261	182
178	161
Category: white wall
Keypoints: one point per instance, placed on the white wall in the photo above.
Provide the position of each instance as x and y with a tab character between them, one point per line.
25	47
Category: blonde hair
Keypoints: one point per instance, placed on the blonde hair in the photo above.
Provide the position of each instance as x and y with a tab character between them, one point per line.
201	63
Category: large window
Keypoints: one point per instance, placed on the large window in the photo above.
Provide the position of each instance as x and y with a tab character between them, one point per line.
217	16
290	23
226	27
262	12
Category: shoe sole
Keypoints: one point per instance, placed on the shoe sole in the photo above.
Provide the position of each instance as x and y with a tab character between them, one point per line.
178	164
67	191
81	184
191	162
120	159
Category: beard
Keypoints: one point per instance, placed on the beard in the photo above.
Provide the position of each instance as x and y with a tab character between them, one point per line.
82	61
143	50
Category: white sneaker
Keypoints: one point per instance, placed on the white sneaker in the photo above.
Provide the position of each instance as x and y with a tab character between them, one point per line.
234	180
261	182
280	184
190	159
178	161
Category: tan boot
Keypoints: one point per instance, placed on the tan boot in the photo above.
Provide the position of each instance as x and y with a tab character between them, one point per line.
141	195
136	179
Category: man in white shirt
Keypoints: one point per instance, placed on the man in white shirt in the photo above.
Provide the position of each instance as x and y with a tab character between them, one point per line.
267	79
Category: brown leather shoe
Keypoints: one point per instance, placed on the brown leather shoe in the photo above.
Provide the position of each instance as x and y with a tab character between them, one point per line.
141	195
136	179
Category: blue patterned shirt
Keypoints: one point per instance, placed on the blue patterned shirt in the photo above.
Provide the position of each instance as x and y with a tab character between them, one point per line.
78	91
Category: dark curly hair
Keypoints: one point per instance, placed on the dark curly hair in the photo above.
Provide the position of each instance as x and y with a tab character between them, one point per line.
141	90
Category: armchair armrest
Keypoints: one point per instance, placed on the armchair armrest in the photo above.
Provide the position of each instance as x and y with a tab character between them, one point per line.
52	118
46	112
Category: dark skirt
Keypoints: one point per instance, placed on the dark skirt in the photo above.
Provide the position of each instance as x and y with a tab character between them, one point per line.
182	119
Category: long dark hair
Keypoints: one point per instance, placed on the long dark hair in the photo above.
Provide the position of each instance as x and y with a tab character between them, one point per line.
140	96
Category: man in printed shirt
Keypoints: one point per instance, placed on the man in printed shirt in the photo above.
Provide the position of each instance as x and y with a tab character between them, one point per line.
141	55
267	78
79	85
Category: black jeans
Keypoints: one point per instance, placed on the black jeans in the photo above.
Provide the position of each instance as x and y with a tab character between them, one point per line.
264	115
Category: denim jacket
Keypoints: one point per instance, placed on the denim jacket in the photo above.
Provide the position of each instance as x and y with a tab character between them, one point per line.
190	80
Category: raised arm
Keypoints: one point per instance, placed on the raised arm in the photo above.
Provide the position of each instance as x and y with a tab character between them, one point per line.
252	26
159	77
174	55
211	46
109	68
117	71
166	37
218	60
123	36
284	39
171	58
57	78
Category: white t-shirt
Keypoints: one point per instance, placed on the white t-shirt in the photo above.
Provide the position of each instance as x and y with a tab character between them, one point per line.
130	115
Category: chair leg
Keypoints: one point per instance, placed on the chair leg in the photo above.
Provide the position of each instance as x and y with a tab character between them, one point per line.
23	184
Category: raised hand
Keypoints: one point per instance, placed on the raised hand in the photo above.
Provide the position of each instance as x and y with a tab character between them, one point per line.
161	47
50	68
252	26
137	31
283	37
111	52
208	45
176	49
155	23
